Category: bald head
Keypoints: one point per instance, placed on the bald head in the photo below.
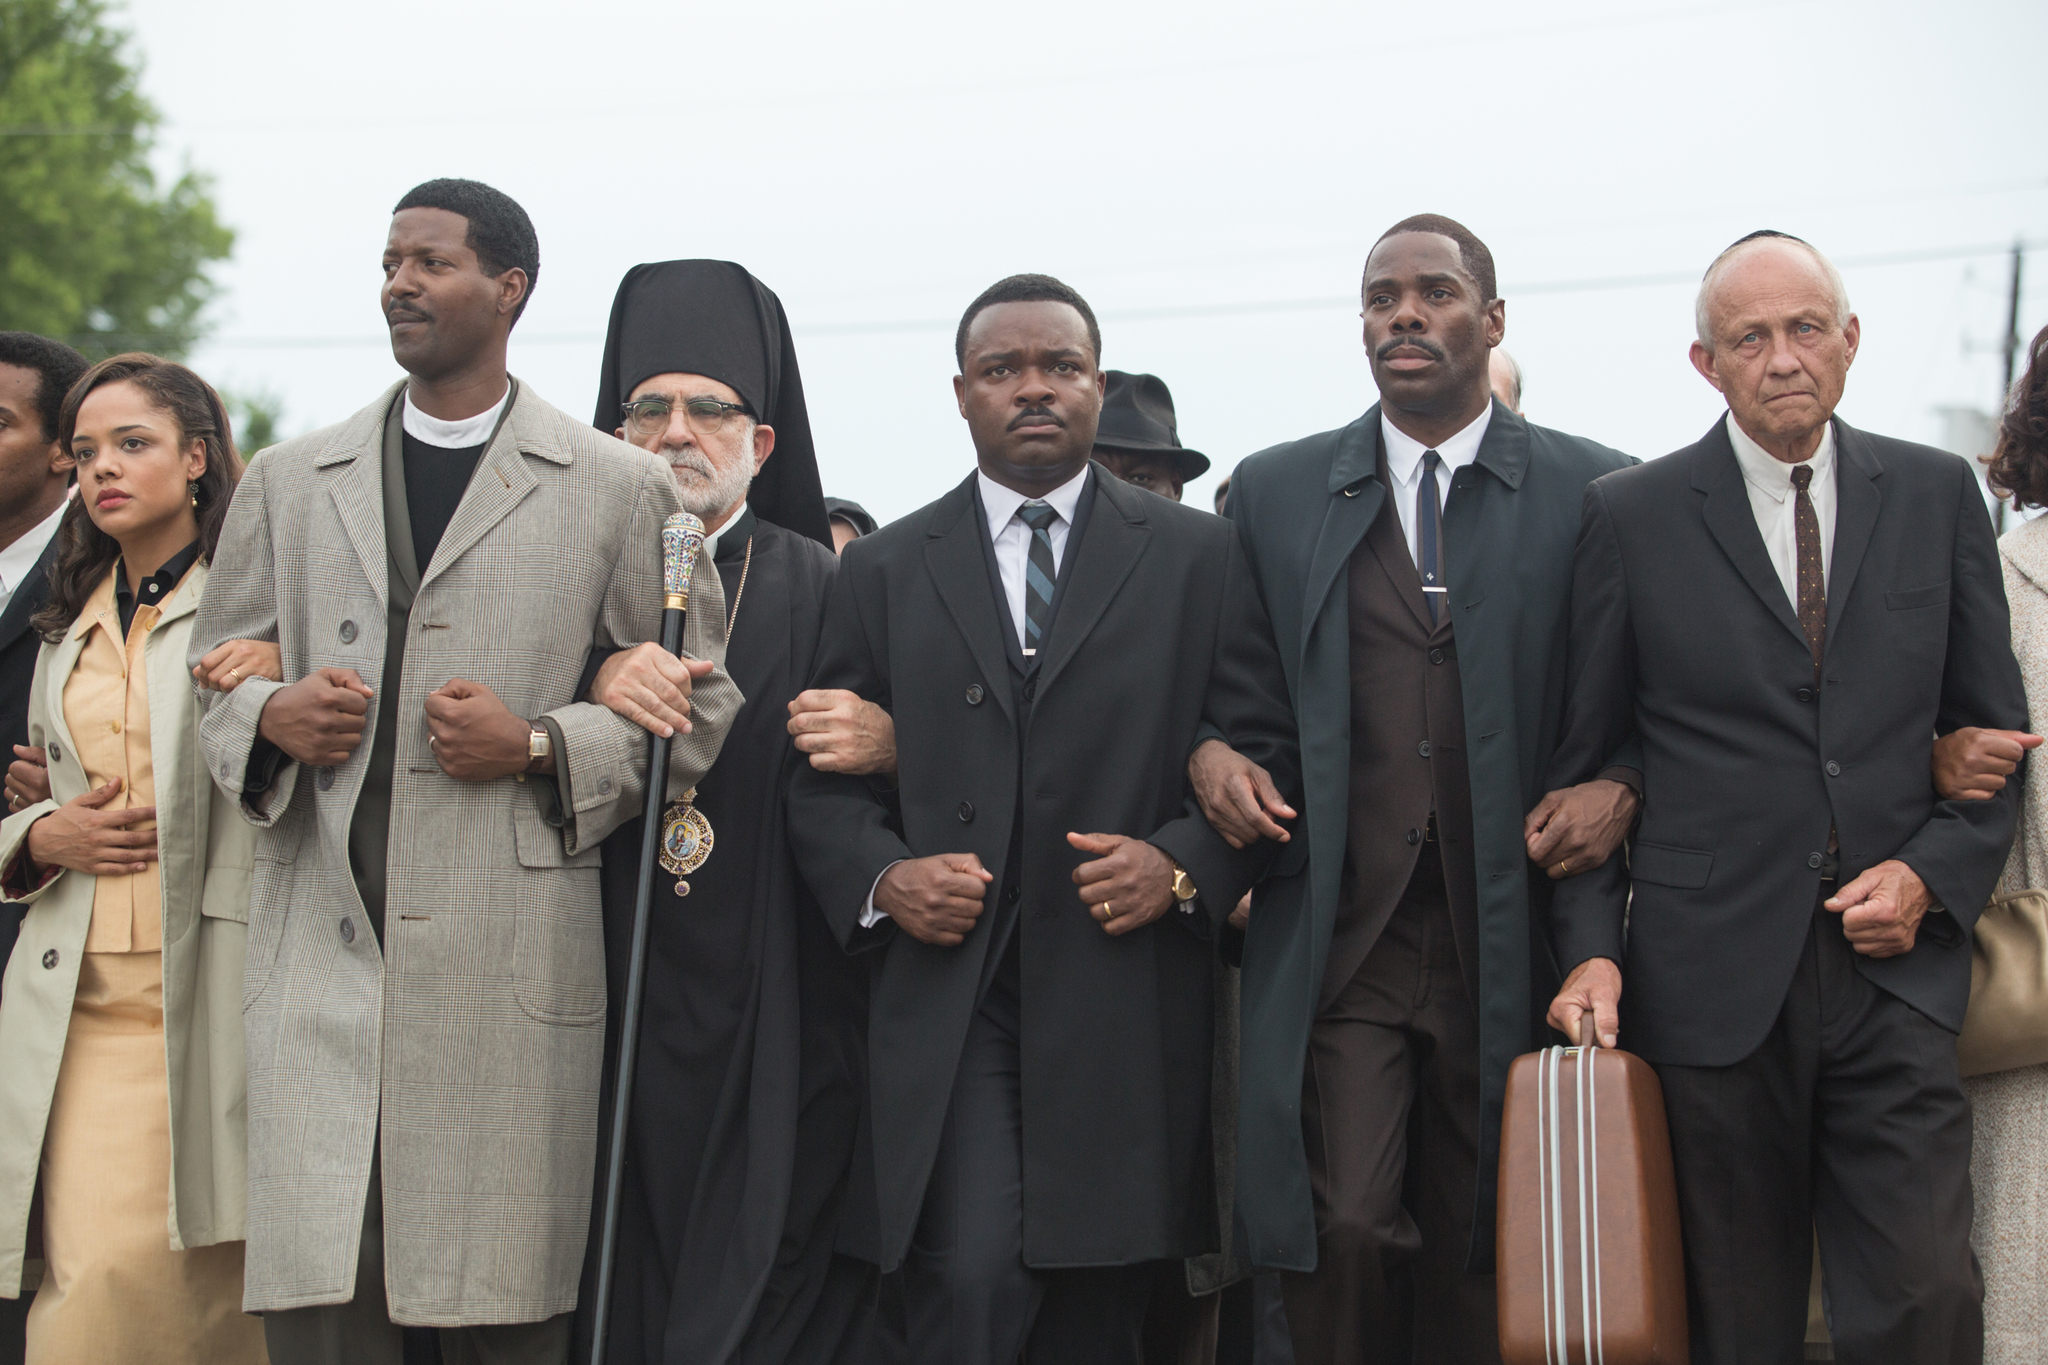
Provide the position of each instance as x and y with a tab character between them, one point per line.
1766	254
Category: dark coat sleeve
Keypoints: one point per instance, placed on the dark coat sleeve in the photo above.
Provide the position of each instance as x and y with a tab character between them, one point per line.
1246	705
1587	911
1961	849
839	826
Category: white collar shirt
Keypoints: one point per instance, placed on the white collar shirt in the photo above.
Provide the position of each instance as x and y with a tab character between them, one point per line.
460	434
710	551
1769	480
1012	538
1404	465
18	560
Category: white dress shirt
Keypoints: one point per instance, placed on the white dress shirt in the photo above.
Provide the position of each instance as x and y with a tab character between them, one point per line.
1012	538
1404	465
18	560
460	434
1012	541
1770	497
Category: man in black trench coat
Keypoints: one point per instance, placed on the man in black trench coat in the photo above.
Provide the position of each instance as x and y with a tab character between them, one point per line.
1040	1026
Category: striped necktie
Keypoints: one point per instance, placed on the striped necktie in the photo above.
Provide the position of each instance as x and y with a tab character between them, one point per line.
1429	536
1039	573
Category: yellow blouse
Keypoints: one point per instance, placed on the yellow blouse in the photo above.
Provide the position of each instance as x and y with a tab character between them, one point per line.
106	707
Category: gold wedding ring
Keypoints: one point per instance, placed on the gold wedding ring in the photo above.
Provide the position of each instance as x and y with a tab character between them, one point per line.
235	673
1107	913
1563	868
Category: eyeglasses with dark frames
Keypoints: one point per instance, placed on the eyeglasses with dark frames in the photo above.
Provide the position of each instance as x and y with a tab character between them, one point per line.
705	416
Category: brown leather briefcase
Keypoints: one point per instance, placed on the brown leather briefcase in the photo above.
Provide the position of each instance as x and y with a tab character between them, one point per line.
1590	1267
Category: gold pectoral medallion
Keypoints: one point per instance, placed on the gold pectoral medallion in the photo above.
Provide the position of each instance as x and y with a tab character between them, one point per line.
685	840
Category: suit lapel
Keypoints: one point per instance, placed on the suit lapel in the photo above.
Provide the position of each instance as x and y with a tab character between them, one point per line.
1733	524
1858	500
501	483
1112	542
959	570
356	483
1356	496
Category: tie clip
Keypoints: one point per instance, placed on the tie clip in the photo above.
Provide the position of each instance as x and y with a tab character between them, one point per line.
1029	653
1436	589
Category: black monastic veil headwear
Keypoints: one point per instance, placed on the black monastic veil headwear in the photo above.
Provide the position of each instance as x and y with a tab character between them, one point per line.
713	318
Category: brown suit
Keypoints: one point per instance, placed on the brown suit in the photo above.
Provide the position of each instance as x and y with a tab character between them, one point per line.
1390	1098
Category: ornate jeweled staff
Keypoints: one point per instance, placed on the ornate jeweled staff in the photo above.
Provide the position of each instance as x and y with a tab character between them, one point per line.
682	536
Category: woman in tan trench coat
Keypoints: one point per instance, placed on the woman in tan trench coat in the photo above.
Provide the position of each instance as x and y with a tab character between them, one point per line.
121	1104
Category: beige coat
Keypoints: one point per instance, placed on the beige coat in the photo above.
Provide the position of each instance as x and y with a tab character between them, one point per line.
2023	555
468	1050
205	867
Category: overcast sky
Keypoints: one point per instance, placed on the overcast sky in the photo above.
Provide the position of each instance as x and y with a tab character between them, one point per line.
1209	176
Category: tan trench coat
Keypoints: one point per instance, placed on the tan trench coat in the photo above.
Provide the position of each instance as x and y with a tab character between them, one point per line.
205	866
467	1052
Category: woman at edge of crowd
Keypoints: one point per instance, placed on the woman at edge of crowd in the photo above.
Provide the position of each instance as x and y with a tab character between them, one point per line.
2009	1155
121	1110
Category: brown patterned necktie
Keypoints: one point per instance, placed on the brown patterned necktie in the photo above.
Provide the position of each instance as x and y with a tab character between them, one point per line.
1813	588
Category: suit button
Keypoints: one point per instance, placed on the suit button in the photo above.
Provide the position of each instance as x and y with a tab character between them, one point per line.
974	694
966	812
1436	656
1834	768
1014	894
604	786
1804	694
1813	860
326	778
1423	748
1414	836
1031	687
348	930
348	632
49	959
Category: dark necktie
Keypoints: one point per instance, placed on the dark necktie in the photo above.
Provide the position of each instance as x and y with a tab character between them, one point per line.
1429	536
1039	573
1813	588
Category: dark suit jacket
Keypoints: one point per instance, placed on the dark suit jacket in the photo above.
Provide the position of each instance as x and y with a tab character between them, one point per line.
18	649
1302	509
1679	623
1155	633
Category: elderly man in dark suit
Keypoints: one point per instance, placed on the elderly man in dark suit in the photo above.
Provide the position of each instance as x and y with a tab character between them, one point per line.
1788	612
1039	1040
1417	567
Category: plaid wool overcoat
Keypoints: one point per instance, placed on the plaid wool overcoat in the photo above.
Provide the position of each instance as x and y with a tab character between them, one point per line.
468	1049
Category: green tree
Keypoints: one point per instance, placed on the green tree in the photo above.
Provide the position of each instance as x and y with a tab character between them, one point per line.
256	417
91	248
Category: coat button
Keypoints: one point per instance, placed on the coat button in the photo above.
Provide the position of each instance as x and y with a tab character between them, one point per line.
56	754
1423	748
974	694
50	959
1813	860
348	632
966	812
1804	694
326	778
1834	768
1013	893
1436	656
348	930
604	786
1414	836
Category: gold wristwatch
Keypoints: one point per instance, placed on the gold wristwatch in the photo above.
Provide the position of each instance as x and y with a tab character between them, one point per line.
538	749
1183	885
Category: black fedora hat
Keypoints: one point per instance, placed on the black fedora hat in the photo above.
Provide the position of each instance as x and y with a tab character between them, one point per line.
1137	419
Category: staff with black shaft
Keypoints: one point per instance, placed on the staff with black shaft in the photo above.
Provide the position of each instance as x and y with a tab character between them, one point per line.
682	536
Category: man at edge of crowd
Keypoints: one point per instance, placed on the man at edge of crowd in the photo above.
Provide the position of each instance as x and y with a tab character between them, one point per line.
425	979
1139	440
750	1061
1417	567
1800	897
1041	1020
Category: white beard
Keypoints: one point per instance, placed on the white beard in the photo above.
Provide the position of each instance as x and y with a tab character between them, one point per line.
704	488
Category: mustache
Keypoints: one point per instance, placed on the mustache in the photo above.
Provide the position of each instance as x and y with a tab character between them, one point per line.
1036	414
690	458
1423	344
406	312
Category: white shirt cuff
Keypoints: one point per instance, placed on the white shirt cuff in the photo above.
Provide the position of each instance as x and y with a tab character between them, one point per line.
869	916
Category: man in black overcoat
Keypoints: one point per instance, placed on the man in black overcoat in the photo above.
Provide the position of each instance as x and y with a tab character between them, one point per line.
1039	1037
1788	612
1417	568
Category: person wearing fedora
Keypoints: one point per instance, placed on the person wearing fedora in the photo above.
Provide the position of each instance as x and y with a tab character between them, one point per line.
1138	440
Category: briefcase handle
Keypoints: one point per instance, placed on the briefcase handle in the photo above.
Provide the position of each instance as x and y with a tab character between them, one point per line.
1589	1032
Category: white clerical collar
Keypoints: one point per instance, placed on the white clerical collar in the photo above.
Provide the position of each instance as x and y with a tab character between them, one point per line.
1404	452
1771	476
1002	503
711	540
460	434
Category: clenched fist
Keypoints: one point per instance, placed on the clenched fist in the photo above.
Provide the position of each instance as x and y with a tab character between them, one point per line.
935	900
319	719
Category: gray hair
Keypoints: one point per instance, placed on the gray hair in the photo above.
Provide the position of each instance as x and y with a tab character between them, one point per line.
1514	372
1834	278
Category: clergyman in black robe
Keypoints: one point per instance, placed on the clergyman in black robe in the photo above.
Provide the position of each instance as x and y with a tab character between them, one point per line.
751	1053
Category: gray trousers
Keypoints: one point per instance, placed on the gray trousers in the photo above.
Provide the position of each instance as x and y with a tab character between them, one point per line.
361	1332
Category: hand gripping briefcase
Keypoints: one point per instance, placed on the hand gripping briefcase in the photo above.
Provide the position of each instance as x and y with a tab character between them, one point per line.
1591	1271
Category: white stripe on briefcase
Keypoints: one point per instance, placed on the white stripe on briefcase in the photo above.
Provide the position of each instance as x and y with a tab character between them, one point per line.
1557	1218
